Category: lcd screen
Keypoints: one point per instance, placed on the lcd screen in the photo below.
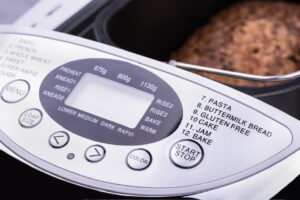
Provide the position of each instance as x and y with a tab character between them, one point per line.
109	99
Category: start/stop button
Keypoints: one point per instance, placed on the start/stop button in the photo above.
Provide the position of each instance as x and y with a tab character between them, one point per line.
186	154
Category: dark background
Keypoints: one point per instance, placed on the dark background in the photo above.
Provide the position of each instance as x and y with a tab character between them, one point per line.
20	181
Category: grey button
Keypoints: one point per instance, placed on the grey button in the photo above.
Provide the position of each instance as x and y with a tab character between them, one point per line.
138	159
30	118
95	153
15	91
186	154
59	139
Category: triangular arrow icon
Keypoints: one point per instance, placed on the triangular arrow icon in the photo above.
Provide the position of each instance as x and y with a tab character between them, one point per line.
95	155
56	138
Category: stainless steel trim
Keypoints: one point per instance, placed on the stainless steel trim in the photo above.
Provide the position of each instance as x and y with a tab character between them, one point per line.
275	78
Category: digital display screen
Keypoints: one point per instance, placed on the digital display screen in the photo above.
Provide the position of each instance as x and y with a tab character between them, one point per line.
11	10
110	100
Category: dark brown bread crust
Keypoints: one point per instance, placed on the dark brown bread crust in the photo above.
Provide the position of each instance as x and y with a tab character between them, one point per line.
255	37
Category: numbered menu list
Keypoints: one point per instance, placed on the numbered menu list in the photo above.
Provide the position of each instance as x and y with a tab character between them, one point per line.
210	116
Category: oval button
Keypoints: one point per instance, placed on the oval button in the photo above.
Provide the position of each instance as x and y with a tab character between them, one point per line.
95	153
59	139
30	118
15	91
139	159
186	154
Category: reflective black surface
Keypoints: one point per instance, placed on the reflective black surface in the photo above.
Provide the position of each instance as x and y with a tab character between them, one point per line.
23	182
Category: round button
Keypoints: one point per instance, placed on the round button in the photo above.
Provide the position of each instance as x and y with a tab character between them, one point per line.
15	91
186	154
59	139
30	118
94	153
138	159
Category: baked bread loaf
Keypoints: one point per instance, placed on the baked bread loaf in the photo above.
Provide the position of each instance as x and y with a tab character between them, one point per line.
255	37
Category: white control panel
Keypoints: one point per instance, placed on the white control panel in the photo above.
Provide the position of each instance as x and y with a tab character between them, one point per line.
118	122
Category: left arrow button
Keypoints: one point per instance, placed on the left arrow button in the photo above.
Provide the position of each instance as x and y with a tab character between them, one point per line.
59	139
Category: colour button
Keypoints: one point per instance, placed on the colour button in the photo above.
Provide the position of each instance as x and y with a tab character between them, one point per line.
139	159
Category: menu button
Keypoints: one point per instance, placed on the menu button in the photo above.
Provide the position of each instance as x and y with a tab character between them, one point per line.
15	91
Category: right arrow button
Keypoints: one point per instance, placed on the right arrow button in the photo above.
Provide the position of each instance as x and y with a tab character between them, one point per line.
94	153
